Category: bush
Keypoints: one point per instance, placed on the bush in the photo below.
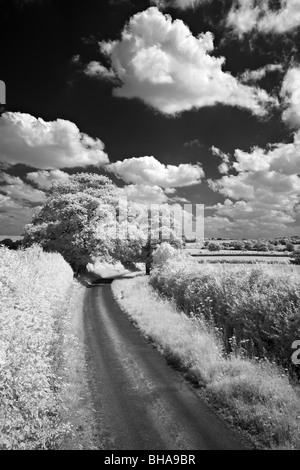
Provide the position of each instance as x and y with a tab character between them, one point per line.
162	254
8	243
213	246
289	246
238	245
166	252
249	245
261	246
295	257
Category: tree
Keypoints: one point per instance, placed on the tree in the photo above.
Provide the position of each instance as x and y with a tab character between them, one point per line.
289	246
249	245
7	242
67	222
84	218
238	245
261	246
12	245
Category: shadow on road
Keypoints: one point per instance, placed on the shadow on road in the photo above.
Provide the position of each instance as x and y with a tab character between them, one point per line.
89	279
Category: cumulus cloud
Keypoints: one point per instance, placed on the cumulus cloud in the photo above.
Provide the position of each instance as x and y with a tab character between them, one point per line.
290	93
262	197
248	15
144	194
148	170
17	190
47	144
43	178
160	62
180	4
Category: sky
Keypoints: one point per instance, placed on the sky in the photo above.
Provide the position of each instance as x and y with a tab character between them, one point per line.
182	101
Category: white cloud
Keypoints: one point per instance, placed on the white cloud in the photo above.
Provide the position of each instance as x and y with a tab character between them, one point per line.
44	178
160	62
281	158
258	74
47	144
225	165
266	191
144	194
180	4
17	190
148	170
170	191
95	69
248	15
290	93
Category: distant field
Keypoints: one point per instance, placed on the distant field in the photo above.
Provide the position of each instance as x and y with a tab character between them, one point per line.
207	253
241	258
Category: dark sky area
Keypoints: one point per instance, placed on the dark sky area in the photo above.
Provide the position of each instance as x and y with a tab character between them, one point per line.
39	40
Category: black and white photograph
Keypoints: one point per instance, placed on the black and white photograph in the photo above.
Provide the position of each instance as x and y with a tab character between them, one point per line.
149	228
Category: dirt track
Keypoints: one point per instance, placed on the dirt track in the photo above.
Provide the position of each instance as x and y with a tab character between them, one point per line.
140	401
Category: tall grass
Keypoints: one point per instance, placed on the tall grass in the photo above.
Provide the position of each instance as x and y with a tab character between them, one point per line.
34	291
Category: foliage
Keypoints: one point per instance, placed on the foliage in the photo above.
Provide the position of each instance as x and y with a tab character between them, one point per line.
261	246
165	252
289	246
34	291
83	219
295	257
238	245
12	245
213	246
67	223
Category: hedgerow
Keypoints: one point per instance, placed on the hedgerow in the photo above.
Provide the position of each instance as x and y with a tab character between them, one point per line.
256	308
34	291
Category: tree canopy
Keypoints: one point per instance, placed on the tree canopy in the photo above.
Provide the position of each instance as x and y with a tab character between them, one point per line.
85	217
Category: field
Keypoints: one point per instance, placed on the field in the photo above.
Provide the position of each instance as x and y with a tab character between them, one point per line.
237	258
